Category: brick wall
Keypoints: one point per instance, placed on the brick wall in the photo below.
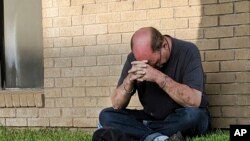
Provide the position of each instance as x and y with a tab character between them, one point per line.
86	43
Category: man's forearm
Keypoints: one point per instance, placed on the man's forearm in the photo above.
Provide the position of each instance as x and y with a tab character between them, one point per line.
181	93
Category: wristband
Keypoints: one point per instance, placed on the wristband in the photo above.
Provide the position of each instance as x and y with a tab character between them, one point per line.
164	83
128	92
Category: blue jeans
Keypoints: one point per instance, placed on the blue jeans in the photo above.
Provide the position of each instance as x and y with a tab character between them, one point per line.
138	125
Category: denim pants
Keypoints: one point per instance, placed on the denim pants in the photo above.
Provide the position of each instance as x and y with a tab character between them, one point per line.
138	125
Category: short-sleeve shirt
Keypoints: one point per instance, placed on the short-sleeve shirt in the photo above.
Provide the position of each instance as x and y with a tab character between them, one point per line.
184	66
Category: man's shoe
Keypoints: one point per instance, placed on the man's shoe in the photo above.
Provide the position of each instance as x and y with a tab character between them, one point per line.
176	137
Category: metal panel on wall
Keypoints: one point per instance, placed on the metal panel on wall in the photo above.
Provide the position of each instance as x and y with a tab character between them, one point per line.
23	43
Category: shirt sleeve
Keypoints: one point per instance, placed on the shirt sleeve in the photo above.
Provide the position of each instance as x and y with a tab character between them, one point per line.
126	68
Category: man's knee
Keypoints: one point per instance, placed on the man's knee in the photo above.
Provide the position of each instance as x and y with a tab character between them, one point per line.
194	115
105	116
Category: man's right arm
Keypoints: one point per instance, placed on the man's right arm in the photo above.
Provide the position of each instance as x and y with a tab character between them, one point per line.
122	94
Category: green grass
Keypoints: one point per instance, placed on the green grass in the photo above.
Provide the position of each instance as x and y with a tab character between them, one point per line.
52	134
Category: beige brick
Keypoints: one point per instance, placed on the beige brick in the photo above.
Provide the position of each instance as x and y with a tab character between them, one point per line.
47	3
174	23
49	82
61	122
242	53
2	122
73	92
85	81
205	21
191	11
108	17
97	71
95	8
238	65
120	27
104	101
95	29
242	6
115	70
51	52
16	122
220	77
243	100
189	33
64	102
73	51
120	6
235	111
242	30
15	100
48	42
216	32
109	39
7	112
219	55
85	122
89	19
81	2
133	15
98	91
223	122
73	72
212	88
49	103
48	62
47	22
8	100
207	44
2	100
51	72
215	111
107	80
85	102
140	24
63	82
146	4
62	62
52	92
119	49
76	112
71	31
84	61
236	42
199	2
84	40
211	66
93	112
63	42
51	32
38	122
135	103
243	18
109	60
126	37
222	100
227	1
242	121
30	100
160	13
27	112
39	100
173	3
50	12
49	112
70	11
62	21
61	3
23	100
243	77
97	50
76	20
217	9
237	88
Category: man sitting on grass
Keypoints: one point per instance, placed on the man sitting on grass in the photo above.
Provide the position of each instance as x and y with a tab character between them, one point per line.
168	76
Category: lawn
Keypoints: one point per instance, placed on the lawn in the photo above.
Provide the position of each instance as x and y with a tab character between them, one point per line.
51	134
